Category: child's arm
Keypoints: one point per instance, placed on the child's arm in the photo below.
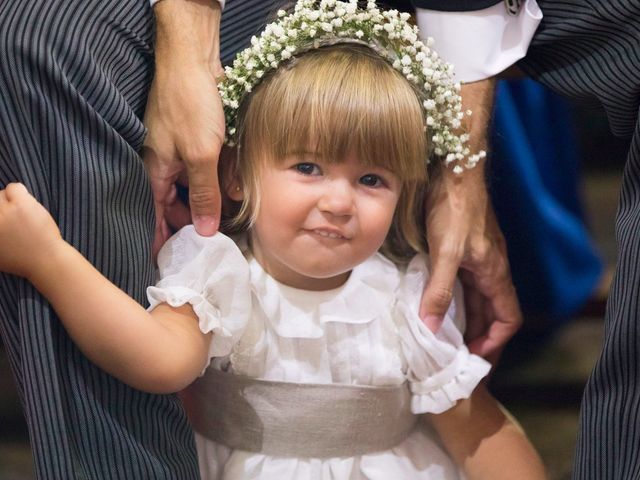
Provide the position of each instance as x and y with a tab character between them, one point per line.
485	442
160	352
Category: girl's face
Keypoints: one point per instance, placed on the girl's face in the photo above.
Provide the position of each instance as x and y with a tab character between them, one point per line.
317	220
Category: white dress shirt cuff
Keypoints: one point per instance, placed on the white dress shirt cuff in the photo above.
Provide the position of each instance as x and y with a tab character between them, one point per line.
480	43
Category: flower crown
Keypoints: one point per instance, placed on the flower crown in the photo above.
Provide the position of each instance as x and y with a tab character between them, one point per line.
314	24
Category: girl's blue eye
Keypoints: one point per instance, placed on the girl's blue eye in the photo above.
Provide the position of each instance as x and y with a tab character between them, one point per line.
371	180
307	168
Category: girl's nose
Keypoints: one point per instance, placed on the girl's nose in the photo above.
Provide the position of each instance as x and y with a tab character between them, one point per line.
338	198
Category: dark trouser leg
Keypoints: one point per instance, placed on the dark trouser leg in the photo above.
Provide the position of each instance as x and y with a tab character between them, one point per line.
73	81
609	440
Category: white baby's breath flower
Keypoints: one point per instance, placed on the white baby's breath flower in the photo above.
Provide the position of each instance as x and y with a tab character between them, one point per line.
389	33
278	31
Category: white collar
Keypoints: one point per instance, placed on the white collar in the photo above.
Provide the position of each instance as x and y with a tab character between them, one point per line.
369	292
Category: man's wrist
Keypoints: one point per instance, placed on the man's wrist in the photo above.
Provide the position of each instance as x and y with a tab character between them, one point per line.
220	2
187	33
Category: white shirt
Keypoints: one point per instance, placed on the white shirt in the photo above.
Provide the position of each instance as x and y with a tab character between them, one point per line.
366	332
480	43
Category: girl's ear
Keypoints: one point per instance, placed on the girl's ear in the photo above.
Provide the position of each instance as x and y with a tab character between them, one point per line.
234	189
230	179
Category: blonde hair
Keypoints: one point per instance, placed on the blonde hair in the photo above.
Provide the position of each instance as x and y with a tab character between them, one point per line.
338	100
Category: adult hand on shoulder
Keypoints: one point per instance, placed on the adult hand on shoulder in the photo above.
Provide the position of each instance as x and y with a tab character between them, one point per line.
184	117
462	233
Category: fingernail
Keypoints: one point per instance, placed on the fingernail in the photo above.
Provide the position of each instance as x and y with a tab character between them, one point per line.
432	322
206	225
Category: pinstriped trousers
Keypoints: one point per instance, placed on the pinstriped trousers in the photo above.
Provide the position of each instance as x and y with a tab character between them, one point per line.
590	50
74	76
73	81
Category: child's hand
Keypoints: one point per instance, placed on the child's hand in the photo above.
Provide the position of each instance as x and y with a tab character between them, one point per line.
28	234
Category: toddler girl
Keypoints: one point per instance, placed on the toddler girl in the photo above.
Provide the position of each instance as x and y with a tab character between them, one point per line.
299	346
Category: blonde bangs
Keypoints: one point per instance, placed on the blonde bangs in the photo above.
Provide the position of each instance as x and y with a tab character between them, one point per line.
334	101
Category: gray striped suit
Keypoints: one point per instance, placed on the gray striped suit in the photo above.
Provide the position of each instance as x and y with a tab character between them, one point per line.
74	76
590	50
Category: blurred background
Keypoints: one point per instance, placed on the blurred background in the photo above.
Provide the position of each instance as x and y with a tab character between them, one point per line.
554	178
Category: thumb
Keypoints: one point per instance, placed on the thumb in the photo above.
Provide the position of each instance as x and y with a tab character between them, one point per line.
438	291
204	197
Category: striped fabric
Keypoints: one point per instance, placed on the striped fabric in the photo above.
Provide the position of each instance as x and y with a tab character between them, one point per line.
590	51
74	76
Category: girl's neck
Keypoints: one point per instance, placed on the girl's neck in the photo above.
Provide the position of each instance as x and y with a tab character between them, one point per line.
290	277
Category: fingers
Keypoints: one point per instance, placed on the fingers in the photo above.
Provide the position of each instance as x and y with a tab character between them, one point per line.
493	341
475	310
204	196
439	289
14	191
501	320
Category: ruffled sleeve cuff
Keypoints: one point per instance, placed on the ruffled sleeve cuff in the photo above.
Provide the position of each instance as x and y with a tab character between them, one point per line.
209	319
438	395
440	368
210	274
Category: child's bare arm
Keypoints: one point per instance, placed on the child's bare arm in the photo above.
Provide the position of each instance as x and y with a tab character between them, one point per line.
485	442
158	352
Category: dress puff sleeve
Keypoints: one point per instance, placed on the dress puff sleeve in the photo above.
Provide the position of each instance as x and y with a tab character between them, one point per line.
212	275
440	369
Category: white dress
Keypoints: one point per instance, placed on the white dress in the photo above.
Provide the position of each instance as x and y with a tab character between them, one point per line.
366	332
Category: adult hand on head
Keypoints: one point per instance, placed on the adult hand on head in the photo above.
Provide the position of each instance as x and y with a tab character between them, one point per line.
462	233
184	117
